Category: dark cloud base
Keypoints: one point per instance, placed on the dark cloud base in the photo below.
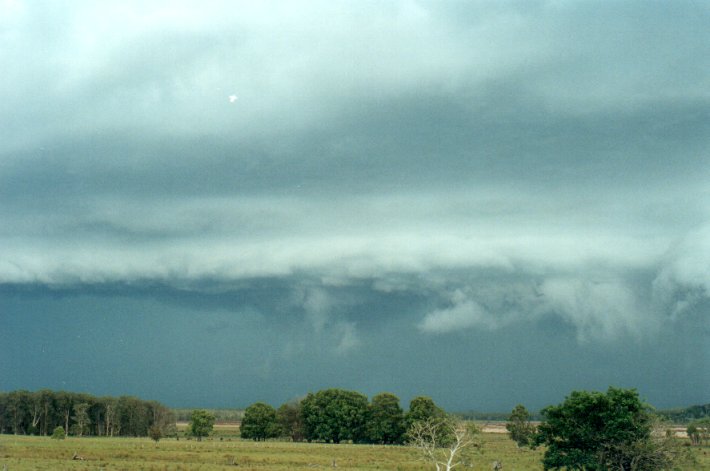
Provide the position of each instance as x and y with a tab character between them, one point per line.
241	344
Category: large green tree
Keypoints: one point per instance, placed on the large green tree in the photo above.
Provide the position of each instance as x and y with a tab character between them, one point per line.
334	415
64	403
201	423
17	406
599	431
259	422
385	421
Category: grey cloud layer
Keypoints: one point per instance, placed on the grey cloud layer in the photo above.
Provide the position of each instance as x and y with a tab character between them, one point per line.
564	145
295	67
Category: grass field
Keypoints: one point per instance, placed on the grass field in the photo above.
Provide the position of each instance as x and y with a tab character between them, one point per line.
222	452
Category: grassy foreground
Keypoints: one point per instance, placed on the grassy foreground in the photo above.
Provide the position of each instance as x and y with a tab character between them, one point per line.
19	453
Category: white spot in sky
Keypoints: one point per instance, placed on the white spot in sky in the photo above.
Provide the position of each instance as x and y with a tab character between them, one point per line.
232	98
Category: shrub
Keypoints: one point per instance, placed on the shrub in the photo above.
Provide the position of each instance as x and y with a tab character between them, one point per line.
519	428
58	433
155	433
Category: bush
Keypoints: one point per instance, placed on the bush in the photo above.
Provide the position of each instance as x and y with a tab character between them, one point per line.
699	431
58	433
155	433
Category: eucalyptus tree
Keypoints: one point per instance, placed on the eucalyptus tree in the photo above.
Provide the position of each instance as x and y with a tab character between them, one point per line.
81	417
443	441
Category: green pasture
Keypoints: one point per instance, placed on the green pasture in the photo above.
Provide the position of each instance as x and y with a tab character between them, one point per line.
225	452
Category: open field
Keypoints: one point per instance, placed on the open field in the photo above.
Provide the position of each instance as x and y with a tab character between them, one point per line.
20	453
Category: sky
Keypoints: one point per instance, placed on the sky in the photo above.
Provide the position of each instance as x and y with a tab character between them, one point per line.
215	203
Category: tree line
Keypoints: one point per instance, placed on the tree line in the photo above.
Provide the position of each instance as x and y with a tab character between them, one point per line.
337	415
220	415
687	414
41	412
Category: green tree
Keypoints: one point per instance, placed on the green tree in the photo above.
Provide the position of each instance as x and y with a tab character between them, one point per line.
17	409
133	416
112	425
47	401
421	408
291	420
58	433
259	422
201	423
519	428
600	431
64	403
81	417
35	409
155	433
334	415
385	422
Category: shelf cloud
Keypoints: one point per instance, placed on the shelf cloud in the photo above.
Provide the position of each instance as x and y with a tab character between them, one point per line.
328	181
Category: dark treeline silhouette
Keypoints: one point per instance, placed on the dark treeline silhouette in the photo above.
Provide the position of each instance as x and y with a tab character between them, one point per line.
40	412
687	414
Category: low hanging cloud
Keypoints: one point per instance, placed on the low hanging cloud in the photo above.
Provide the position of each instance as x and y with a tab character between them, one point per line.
684	278
324	313
597	309
318	306
348	337
463	314
602	300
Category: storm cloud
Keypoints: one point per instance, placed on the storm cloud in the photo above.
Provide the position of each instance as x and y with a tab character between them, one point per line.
507	190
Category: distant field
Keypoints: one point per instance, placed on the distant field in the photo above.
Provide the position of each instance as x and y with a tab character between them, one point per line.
21	453
499	427
222	430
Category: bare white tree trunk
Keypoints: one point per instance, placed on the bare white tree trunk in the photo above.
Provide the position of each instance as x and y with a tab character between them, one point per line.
441	441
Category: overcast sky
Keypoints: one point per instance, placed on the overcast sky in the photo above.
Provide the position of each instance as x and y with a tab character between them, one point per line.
490	203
